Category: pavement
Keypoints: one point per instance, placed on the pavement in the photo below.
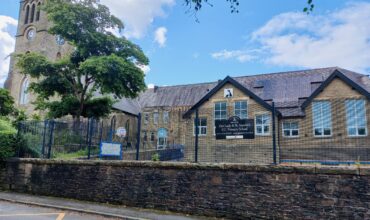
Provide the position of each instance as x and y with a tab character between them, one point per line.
16	206
14	211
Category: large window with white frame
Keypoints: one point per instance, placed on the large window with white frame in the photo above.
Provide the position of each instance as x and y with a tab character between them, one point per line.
321	115
23	98
220	110
290	129
263	124
240	109
356	117
202	127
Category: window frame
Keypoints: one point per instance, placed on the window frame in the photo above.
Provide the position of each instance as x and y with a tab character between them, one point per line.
356	118
27	15
164	138
290	129
152	136
322	116
24	94
269	124
166	117
200	126
214	114
146	118
38	11
240	109
155	118
33	10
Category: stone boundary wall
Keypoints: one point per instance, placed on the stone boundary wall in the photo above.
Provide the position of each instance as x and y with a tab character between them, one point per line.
231	191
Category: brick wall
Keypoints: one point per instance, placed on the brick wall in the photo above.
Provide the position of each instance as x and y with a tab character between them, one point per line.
232	191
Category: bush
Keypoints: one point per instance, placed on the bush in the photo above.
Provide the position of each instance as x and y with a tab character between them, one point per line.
8	139
155	157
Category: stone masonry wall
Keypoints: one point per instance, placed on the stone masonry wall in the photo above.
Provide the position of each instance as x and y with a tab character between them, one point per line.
337	147
231	191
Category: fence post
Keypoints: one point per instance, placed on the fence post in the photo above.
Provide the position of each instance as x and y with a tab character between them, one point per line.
138	136
44	138
274	132
196	135
19	127
90	131
51	127
87	131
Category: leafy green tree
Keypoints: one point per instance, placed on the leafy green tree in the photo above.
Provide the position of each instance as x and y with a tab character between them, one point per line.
6	103
196	5
100	63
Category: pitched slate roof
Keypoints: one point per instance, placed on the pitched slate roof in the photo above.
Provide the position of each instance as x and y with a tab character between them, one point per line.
288	90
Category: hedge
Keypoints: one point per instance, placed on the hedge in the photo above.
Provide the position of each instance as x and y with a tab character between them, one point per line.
8	139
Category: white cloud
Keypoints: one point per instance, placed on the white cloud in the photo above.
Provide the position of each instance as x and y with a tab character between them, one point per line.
160	36
138	15
150	86
339	38
240	55
144	68
7	43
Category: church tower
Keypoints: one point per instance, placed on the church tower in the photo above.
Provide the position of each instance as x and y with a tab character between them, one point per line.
32	36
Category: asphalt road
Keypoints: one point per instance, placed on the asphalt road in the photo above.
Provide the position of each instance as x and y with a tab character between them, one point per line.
13	211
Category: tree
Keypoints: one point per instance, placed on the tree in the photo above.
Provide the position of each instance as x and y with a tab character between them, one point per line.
101	63
196	5
6	103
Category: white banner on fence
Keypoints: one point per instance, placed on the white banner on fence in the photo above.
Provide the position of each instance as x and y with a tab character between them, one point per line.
110	149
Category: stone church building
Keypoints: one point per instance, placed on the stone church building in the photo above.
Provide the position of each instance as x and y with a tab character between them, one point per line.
291	116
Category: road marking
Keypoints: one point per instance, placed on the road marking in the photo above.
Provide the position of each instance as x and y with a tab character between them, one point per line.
61	216
41	214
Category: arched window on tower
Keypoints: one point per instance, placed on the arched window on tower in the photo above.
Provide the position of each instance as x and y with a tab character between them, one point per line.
23	98
59	56
38	11
33	13
27	14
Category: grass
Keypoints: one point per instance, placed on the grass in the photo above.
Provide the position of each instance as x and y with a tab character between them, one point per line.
75	155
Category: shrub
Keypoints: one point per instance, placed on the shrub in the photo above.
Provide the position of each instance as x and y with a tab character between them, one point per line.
155	157
8	139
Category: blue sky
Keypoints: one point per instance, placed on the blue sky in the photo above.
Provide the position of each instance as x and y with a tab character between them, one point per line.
265	36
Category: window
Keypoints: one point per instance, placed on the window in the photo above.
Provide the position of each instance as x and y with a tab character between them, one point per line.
166	117
240	109
321	113
356	118
220	110
152	136
145	136
27	14
38	11
32	13
290	129
162	138
146	118
202	126
155	118
263	124
23	98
